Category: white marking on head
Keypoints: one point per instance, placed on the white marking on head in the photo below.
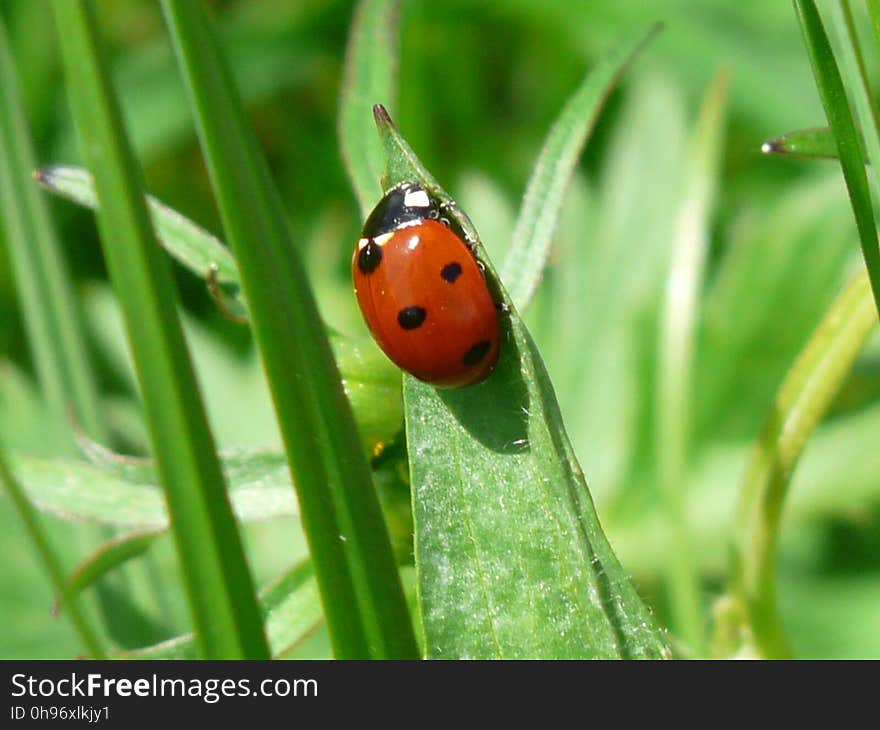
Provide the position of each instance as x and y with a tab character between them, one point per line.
362	243
416	199
383	239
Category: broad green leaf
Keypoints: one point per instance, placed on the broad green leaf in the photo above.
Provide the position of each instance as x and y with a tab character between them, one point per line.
105	558
191	245
370	78
510	556
291	609
840	119
545	192
124	492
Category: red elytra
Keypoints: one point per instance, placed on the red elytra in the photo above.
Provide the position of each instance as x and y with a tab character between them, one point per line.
425	299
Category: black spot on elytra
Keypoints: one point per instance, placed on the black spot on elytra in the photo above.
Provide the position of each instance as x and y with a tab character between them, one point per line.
411	317
451	272
369	257
477	352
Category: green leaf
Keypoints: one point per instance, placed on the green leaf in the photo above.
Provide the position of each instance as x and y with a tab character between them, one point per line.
510	556
189	244
370	78
841	121
125	492
545	192
105	558
803	398
349	545
814	143
855	77
216	576
291	609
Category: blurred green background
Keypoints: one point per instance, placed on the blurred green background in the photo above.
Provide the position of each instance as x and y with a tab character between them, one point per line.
479	86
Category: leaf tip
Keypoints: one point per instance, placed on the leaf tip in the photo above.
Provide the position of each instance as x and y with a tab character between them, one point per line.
771	148
382	117
42	175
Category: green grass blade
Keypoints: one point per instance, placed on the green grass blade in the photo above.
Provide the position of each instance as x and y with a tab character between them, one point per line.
48	304
511	559
107	557
848	150
363	600
803	399
370	78
676	354
30	520
856	79
810	144
216	577
874	13
545	192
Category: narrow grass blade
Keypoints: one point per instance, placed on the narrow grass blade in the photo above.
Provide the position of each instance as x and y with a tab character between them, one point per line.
511	559
848	150
545	192
291	608
855	78
874	13
28	515
216	577
107	557
370	78
363	600
803	399
48	304
190	245
676	354
810	144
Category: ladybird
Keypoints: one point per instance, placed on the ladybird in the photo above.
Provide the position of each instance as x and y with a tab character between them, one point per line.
422	292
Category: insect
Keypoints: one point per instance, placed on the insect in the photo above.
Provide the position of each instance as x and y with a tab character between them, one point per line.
422	292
